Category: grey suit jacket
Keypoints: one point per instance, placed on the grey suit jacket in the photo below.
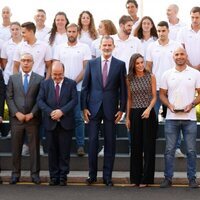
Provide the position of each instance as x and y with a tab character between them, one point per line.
17	100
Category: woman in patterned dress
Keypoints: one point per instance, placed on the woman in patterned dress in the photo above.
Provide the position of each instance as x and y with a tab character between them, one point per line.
141	121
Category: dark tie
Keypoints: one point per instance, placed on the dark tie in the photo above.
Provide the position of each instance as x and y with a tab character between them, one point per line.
105	73
57	92
26	83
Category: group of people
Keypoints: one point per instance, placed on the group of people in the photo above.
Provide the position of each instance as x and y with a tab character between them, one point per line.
67	75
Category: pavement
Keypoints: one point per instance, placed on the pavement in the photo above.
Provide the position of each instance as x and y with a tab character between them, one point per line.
119	177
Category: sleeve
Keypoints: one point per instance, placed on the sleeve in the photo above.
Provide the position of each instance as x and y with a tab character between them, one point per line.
48	54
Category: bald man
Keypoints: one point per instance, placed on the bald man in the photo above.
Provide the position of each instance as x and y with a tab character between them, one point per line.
57	99
177	91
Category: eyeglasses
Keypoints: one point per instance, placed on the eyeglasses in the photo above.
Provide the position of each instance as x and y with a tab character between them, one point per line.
26	60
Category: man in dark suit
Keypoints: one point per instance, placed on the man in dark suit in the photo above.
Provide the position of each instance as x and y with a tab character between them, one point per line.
57	99
2	98
21	94
103	97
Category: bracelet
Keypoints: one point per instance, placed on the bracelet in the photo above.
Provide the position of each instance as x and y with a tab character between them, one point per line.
193	105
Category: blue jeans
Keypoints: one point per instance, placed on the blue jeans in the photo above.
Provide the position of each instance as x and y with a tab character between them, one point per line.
172	132
79	130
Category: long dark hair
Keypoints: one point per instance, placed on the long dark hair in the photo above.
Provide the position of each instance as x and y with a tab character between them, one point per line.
54	28
131	70
139	32
92	30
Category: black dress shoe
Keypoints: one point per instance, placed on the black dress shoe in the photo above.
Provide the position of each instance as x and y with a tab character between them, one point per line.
14	180
63	182
1	180
108	182
54	182
91	180
36	180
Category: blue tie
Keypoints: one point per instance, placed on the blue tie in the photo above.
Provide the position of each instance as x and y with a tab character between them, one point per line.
26	83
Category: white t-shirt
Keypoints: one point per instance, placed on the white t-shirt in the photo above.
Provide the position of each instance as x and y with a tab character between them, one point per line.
59	39
72	57
125	49
5	34
162	58
85	38
7	52
41	52
191	40
180	88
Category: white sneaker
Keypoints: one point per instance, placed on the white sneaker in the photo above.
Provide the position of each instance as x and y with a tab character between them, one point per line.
25	150
101	153
179	154
41	150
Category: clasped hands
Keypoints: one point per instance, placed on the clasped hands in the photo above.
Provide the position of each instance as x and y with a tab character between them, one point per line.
56	114
24	117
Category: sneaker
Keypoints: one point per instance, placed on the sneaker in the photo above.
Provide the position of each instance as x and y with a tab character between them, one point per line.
25	150
80	151
179	154
41	150
193	183
101	153
166	183
8	135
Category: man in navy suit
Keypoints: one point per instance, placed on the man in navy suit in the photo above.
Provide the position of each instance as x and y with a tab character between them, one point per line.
103	97
57	99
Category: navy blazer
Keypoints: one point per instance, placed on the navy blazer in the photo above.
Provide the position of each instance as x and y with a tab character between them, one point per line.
68	100
113	97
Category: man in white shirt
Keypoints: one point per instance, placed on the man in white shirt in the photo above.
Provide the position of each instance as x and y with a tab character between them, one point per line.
190	38
175	24
159	56
177	91
41	30
5	27
74	56
40	50
132	8
125	43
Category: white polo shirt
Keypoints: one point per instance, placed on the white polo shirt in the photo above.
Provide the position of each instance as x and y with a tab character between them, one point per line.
40	51
42	33
7	53
162	58
5	34
181	89
174	29
72	57
191	40
125	49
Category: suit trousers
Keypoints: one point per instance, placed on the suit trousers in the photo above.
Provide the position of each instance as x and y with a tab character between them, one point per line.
59	145
143	139
109	129
18	131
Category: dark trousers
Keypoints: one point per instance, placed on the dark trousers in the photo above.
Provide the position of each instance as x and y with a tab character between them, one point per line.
143	139
17	132
59	145
109	129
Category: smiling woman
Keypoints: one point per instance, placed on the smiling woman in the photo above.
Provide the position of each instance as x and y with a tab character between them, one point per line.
103	9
